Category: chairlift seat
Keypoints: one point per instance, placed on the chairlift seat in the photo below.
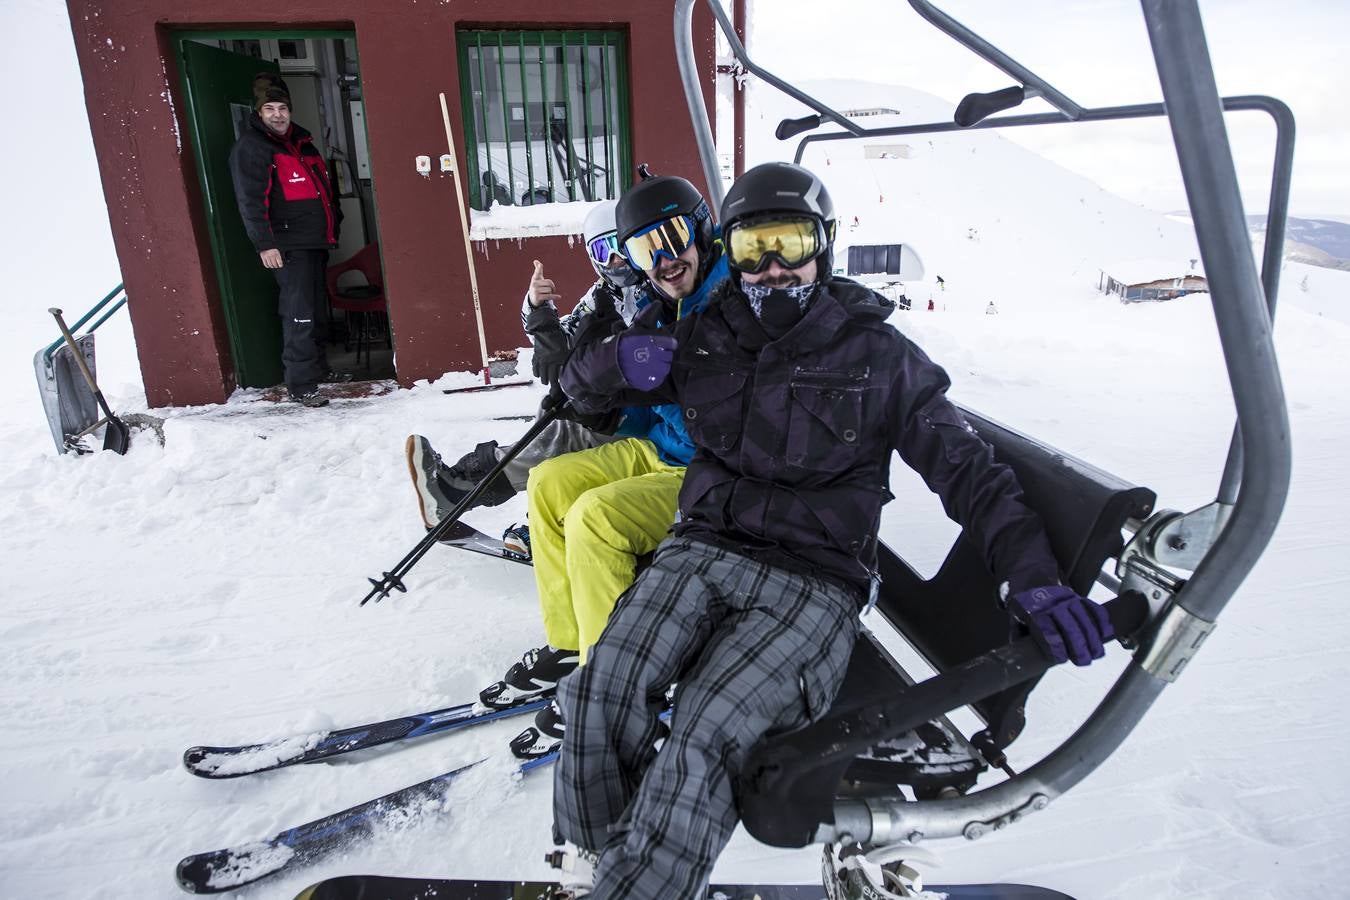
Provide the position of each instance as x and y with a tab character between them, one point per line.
949	619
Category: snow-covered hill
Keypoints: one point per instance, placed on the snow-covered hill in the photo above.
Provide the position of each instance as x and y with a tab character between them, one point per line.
1049	228
206	591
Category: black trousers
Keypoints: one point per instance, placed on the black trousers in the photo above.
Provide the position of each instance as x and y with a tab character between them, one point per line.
303	307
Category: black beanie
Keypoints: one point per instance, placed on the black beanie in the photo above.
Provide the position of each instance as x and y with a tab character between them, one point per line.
269	88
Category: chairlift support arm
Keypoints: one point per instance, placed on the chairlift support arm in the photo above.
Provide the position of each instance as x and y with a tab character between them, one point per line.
1256	475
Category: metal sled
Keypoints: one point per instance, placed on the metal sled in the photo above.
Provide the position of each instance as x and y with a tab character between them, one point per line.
826	782
67	399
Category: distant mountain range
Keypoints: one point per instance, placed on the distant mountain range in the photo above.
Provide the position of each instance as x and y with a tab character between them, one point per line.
1318	242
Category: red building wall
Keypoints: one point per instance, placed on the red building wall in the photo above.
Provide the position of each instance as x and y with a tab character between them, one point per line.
407	52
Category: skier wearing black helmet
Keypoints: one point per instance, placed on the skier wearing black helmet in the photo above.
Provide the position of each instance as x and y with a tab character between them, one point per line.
796	392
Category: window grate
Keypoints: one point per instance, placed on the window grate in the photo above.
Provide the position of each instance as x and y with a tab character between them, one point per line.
545	115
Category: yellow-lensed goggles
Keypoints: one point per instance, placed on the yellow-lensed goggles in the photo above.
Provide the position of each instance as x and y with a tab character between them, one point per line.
794	240
668	238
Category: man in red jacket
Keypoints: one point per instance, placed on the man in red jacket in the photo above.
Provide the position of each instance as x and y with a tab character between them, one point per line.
292	217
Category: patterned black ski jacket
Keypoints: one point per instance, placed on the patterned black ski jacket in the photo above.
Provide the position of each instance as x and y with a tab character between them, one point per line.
282	187
794	437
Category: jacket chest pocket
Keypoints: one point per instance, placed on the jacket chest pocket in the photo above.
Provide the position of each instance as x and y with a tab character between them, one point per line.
296	183
712	402
825	419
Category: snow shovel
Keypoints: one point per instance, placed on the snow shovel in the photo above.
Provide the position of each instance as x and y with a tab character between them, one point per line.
117	437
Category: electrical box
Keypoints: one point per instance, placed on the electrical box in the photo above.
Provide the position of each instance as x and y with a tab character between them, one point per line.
360	151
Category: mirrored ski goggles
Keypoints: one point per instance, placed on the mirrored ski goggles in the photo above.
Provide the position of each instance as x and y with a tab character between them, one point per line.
603	249
793	241
668	238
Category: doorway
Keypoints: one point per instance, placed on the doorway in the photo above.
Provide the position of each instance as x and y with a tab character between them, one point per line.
322	72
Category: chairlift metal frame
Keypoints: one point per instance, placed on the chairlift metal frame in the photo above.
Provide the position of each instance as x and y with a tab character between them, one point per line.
1218	543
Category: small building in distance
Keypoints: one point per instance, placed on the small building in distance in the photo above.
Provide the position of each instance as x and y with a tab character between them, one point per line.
1152	280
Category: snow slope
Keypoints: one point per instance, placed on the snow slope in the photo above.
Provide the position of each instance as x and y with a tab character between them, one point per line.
206	591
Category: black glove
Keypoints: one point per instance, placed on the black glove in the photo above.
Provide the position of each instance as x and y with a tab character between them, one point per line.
551	344
551	349
604	319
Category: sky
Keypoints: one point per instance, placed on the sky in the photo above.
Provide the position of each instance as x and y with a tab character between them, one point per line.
1097	53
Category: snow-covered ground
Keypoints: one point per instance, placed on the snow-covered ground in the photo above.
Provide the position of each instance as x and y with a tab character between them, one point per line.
206	591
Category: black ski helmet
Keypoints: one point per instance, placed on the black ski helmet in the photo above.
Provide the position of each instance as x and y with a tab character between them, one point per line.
779	187
661	197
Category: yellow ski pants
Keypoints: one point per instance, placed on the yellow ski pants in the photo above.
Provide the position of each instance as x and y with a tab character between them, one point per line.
592	514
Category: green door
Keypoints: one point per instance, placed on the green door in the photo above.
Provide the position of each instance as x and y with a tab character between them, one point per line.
219	98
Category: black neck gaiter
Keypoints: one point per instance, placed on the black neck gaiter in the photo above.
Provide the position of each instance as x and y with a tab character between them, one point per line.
778	309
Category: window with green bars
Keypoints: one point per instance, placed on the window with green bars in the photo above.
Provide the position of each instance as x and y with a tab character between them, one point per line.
545	115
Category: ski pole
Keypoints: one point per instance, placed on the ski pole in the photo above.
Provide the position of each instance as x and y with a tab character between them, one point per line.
468	246
393	580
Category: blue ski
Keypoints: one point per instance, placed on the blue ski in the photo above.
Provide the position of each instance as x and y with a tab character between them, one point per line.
218	871
248	759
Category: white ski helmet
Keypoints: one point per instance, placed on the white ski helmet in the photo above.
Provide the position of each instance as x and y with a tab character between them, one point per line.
599	223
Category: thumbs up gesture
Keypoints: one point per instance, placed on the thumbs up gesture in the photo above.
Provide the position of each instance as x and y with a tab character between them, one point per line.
541	288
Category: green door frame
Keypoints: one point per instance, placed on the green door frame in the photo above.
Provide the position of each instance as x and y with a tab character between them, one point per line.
179	37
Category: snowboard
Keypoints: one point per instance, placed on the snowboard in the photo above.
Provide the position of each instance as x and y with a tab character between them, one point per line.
381	887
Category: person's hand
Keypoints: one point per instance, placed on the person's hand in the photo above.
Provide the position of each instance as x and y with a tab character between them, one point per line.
1066	625
551	349
541	288
271	259
645	359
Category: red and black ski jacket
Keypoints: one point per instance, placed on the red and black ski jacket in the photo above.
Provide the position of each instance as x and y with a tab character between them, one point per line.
282	186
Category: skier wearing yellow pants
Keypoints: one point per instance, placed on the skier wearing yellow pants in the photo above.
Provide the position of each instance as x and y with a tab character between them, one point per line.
594	512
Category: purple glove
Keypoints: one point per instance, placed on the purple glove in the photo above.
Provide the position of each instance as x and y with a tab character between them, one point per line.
645	359
1066	625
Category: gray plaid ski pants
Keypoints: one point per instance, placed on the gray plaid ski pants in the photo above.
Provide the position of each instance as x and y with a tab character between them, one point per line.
754	649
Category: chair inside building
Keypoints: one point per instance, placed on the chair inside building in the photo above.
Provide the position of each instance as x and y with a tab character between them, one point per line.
362	303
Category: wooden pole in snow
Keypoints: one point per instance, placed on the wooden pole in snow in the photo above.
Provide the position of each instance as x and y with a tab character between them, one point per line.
468	246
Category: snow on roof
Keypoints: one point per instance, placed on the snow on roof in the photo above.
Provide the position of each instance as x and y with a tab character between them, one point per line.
1146	269
543	220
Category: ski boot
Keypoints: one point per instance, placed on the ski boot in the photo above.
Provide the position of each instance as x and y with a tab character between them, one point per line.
545	736
516	542
440	488
536	675
883	873
435	497
312	399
